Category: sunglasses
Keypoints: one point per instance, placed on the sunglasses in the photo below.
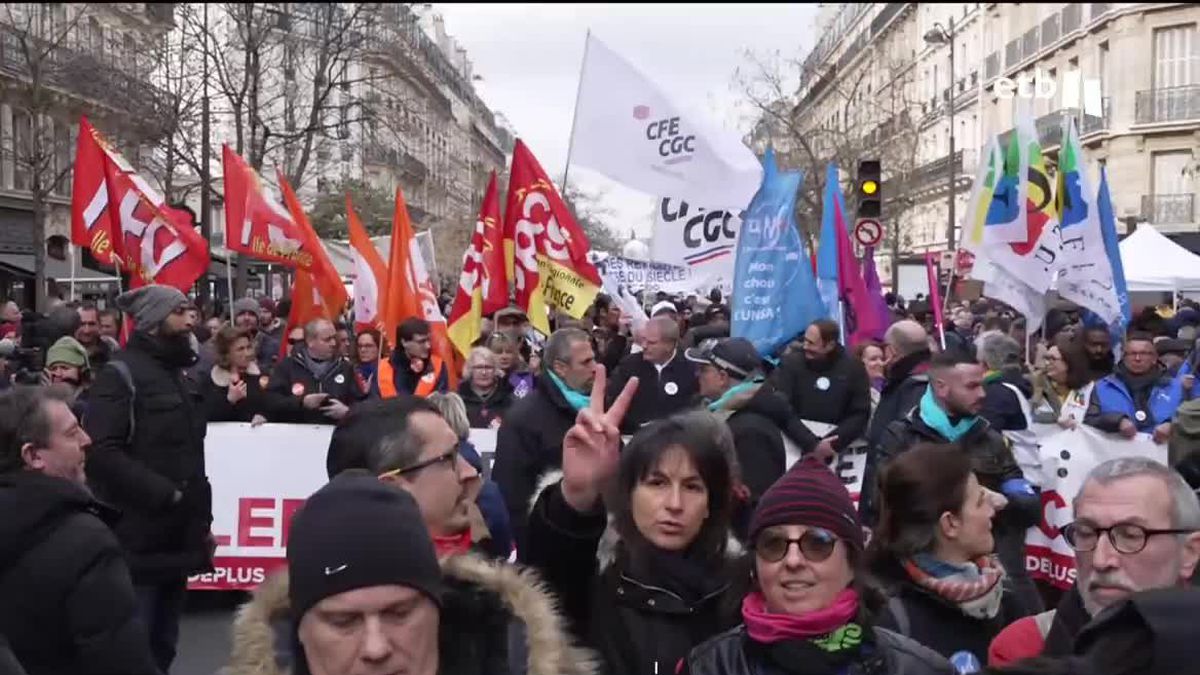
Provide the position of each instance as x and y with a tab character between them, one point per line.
815	545
449	458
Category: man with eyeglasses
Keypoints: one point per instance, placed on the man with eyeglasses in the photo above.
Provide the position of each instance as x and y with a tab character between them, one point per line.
1136	528
1138	396
412	369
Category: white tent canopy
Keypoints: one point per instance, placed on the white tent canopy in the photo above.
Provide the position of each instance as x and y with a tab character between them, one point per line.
1155	263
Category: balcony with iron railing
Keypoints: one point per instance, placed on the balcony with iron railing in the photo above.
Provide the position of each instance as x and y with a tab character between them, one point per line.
1168	104
1169	209
1050	126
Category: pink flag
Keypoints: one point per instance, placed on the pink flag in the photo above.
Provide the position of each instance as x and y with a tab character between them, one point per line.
935	298
875	293
861	321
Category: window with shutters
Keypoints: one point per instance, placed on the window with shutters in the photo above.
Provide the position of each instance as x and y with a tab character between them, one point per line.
1176	57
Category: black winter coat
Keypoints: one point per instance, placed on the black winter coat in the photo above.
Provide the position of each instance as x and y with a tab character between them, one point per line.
734	653
215	389
482	412
835	391
993	463
1001	407
140	473
633	623
937	623
906	382
658	396
291	381
528	445
8	660
67	603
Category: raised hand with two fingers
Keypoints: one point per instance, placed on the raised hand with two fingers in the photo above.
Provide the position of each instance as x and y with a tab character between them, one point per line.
592	447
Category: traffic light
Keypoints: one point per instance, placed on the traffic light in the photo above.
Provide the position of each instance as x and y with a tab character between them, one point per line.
868	185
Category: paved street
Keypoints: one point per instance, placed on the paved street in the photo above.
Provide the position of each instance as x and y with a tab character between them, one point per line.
204	640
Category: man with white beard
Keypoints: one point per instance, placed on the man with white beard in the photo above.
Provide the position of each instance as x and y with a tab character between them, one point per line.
1136	528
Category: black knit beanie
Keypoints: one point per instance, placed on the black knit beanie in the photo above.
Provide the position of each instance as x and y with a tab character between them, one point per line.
809	494
357	532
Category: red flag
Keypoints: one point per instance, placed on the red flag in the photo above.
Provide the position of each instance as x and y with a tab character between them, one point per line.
92	223
370	274
410	292
325	279
550	264
258	226
482	287
125	221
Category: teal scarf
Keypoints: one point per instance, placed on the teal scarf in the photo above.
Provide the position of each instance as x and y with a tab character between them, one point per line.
576	400
936	418
734	391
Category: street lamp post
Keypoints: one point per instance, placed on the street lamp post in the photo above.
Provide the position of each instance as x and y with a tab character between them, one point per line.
935	36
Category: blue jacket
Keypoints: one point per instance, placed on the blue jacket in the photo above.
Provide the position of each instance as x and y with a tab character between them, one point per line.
1112	401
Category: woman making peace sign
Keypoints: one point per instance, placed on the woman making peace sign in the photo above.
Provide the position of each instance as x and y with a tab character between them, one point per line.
668	585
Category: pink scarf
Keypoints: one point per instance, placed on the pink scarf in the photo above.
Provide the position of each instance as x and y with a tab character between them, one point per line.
766	628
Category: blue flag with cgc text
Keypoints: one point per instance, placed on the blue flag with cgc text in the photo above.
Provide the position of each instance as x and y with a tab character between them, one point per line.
774	292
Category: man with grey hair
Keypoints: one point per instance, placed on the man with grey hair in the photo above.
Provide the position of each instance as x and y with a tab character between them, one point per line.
1136	528
1006	390
906	354
314	385
669	382
529	443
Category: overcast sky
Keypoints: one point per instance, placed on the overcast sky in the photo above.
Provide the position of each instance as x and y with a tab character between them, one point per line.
529	57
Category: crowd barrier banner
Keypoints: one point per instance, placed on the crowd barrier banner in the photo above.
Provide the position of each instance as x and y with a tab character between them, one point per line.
260	477
1066	458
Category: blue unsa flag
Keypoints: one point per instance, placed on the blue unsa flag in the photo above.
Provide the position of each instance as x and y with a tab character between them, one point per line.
774	292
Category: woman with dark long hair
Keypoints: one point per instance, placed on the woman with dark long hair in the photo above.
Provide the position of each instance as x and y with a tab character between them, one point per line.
1063	387
664	581
933	553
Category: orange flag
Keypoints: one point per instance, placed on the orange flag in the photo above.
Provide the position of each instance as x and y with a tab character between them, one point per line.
324	276
482	287
370	274
409	291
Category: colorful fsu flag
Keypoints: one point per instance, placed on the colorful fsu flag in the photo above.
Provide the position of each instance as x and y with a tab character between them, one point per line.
550	265
410	291
370	274
1005	222
92	224
1086	277
482	287
255	224
126	222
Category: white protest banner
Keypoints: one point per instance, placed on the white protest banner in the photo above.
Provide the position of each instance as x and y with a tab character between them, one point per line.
260	477
698	238
851	463
1066	458
637	275
627	129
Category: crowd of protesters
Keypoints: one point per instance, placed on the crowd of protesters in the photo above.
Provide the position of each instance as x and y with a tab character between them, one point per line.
662	497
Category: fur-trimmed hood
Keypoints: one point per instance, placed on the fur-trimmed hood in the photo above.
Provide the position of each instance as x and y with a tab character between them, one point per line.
262	641
223	376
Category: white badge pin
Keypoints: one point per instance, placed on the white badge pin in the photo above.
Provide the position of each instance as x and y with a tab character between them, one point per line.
823	383
1140	415
671	388
340	379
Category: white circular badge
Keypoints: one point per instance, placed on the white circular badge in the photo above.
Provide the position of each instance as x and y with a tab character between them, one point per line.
1140	415
823	383
671	388
340	379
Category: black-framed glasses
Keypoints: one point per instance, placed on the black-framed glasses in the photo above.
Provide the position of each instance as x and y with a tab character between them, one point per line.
815	545
1127	538
449	458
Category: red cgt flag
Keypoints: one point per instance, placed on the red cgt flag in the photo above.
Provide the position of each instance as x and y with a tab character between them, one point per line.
258	226
550	265
483	286
126	222
325	278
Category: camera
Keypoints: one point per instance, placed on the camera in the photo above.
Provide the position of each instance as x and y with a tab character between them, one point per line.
38	333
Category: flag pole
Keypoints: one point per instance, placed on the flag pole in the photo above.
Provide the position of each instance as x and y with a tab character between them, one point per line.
229	280
71	251
575	114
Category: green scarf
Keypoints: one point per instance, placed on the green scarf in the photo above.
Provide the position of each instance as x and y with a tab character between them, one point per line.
575	399
734	391
936	418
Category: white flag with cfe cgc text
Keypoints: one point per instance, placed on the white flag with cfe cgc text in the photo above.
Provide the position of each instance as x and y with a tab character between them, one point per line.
627	129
